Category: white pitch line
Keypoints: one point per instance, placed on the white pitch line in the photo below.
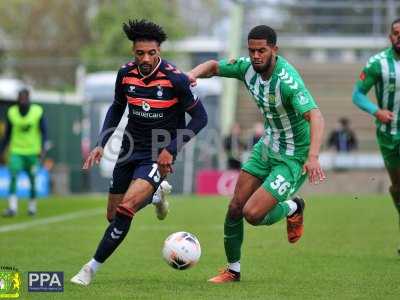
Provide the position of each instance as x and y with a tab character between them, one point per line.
50	220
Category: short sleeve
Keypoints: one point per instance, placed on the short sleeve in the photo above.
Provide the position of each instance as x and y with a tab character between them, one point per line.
234	68
368	77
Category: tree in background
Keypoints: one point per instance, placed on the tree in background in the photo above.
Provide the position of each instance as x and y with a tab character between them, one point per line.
48	39
109	47
45	39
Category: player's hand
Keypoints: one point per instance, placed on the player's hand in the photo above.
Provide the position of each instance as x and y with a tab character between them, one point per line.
384	115
94	157
314	170
192	79
165	160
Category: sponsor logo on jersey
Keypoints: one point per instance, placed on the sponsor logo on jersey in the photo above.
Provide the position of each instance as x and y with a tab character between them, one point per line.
146	106
131	88
147	115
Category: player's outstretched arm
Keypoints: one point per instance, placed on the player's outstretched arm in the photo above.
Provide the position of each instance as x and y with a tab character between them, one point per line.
361	100
205	70
312	166
94	157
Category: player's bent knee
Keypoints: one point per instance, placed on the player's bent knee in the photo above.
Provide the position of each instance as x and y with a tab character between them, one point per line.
251	216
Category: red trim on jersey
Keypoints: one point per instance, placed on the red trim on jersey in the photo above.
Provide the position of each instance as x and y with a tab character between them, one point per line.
139	82
362	76
152	102
134	71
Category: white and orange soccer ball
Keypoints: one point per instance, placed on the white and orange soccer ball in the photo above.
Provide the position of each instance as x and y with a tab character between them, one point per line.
181	250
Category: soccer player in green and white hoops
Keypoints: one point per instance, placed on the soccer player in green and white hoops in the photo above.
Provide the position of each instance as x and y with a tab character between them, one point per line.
383	73
280	162
26	134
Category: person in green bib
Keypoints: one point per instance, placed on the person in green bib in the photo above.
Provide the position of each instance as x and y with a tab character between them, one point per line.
382	72
26	134
279	162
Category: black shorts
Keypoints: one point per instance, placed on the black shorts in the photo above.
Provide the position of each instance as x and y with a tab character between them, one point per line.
139	165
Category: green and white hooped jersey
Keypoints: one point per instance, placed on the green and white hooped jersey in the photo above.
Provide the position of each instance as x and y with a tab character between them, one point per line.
383	72
283	99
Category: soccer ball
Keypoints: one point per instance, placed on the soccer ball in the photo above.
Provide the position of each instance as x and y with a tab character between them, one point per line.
181	250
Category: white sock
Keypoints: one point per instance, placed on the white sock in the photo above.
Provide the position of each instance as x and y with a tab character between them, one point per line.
94	265
234	266
32	205
13	202
292	207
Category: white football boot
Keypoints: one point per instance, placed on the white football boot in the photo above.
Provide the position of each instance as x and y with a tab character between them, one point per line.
84	276
160	202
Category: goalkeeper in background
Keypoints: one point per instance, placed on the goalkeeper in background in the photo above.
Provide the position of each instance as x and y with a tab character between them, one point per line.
26	134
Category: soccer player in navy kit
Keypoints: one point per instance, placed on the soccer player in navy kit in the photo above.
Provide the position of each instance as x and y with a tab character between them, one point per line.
158	96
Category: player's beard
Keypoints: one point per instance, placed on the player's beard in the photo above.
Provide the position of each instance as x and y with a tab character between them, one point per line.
396	47
262	68
145	69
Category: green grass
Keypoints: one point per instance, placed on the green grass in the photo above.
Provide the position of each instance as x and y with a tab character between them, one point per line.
348	252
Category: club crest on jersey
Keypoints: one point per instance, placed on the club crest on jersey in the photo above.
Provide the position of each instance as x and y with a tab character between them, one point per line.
303	99
271	99
145	106
160	91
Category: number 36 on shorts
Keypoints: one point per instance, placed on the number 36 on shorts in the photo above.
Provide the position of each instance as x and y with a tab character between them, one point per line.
280	184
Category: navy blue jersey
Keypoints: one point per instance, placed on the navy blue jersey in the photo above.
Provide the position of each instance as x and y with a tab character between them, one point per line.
157	101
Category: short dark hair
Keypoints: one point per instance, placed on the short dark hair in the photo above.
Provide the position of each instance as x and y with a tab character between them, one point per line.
143	30
394	22
263	32
23	91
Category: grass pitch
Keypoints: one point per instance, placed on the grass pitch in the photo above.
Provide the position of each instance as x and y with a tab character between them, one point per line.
348	251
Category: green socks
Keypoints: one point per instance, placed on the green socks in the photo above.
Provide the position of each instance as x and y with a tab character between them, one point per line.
233	238
277	213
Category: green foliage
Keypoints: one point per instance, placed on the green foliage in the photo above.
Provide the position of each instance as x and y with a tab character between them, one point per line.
348	251
109	46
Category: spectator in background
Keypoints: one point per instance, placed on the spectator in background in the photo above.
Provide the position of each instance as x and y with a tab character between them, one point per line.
343	138
26	134
233	148
258	133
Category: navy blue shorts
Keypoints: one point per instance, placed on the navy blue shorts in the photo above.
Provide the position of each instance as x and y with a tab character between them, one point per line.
139	165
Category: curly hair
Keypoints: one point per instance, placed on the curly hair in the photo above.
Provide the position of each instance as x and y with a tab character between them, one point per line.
144	30
263	32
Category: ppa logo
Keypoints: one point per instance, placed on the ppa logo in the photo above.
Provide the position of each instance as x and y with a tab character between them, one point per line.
46	281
